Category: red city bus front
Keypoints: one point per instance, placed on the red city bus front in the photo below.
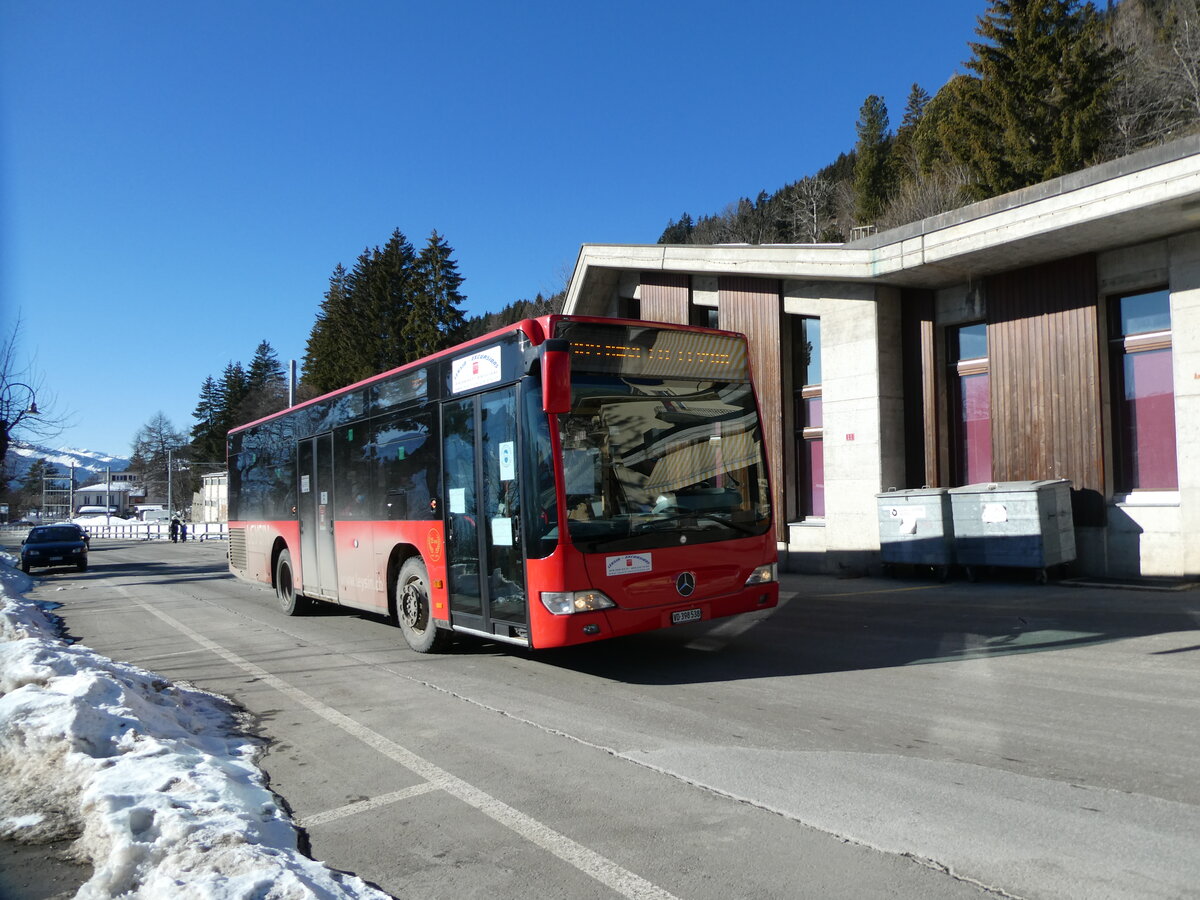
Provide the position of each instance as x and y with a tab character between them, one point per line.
661	487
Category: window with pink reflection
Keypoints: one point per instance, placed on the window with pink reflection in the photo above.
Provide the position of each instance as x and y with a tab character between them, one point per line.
1143	393
975	419
972	404
809	427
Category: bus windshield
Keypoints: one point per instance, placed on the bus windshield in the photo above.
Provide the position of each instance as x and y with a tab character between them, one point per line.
657	462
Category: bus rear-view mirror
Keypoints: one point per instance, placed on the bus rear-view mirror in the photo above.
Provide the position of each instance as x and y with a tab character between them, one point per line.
556	376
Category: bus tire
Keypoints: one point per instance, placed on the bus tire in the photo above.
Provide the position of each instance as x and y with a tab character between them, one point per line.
414	611
290	603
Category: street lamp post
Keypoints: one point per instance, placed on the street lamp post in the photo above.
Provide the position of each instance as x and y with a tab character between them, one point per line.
10	420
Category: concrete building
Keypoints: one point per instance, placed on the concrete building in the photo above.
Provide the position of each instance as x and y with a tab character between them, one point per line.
1053	332
211	504
112	495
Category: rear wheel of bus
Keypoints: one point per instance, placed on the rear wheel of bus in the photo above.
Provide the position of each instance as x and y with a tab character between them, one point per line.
414	611
290	603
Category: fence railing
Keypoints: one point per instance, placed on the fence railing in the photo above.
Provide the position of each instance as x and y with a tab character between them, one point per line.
158	531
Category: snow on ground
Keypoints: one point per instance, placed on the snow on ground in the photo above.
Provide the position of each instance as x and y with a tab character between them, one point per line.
156	782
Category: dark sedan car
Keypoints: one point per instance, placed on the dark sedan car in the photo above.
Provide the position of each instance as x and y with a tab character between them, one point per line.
54	545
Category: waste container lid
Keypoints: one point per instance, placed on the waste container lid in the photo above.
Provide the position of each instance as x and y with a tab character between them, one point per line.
998	487
913	492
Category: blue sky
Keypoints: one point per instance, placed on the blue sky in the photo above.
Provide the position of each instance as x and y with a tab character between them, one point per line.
177	181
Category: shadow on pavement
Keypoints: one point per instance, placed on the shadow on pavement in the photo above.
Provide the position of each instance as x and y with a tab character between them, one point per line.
828	625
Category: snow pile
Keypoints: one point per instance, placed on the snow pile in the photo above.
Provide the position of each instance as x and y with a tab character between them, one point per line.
155	781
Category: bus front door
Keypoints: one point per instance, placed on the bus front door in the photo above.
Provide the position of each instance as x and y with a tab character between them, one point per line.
318	558
486	565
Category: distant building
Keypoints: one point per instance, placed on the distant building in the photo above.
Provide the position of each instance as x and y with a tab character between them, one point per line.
1053	332
114	496
211	504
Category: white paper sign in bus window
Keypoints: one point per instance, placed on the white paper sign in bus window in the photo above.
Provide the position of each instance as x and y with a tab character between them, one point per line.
508	460
475	371
502	532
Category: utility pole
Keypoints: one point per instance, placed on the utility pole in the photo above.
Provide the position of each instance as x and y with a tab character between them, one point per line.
170	508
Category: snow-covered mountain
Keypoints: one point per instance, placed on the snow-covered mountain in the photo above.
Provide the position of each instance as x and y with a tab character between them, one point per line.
90	465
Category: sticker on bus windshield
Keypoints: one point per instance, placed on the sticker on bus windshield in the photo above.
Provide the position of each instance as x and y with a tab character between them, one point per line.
476	370
508	464
629	564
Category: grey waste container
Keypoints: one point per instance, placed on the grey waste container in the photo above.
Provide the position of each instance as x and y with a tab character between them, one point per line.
915	528
1026	524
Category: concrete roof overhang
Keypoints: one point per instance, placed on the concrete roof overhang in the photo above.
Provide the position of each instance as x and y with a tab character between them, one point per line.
1147	196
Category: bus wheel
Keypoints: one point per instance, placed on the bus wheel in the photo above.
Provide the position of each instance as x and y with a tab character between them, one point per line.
413	609
290	603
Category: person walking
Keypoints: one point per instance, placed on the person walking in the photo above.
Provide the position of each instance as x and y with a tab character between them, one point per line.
174	531
183	531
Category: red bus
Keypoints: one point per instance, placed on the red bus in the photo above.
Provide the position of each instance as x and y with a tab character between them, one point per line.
558	482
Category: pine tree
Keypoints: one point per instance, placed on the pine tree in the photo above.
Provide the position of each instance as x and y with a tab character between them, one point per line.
872	178
208	440
234	389
29	491
320	369
904	148
393	286
678	232
435	317
1044	79
265	369
266	385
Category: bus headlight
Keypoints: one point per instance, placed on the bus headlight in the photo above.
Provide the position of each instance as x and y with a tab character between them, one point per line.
563	603
763	575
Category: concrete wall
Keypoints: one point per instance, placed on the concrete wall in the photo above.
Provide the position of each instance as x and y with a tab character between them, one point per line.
1157	533
1185	320
860	354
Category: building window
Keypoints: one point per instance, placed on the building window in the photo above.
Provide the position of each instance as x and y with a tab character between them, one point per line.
809	436
971	417
1143	393
704	316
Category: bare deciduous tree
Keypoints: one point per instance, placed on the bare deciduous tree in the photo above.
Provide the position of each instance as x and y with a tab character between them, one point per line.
159	452
1157	93
943	189
26	406
805	205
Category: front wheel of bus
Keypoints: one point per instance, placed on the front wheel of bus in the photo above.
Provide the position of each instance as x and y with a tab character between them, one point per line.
290	603
413	609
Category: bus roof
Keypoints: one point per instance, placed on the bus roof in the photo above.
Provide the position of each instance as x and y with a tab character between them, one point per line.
536	330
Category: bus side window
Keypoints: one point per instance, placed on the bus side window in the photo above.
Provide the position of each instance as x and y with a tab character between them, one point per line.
352	472
406	455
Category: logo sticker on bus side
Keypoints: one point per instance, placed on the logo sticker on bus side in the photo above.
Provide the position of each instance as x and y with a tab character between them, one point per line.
629	564
474	371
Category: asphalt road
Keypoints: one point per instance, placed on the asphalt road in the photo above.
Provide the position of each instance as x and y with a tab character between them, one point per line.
869	738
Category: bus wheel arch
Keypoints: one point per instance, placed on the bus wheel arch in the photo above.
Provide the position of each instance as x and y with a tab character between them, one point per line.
412	604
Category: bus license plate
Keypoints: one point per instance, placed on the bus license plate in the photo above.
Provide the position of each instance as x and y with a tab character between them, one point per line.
685	615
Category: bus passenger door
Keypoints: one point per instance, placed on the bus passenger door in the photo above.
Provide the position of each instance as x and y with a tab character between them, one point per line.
486	564
318	560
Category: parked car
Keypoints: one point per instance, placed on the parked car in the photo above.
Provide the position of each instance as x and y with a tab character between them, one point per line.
54	545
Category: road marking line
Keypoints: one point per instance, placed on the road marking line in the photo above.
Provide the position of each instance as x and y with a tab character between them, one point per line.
361	806
893	590
719	637
587	861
